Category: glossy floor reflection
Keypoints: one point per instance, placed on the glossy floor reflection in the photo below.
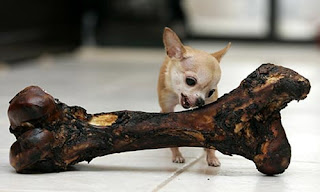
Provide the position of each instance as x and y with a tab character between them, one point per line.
116	79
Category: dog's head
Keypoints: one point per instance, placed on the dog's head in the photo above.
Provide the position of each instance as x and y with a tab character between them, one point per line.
193	74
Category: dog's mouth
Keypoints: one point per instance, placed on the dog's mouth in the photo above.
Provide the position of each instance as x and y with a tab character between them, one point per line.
185	101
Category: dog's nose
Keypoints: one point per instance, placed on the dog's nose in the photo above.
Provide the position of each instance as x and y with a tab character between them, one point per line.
199	102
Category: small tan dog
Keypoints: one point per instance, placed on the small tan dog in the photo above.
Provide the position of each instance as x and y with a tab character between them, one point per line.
188	77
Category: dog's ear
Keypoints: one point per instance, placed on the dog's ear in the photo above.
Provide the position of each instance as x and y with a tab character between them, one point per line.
172	43
219	54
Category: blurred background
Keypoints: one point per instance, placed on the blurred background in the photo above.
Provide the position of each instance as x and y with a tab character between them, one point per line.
31	28
105	55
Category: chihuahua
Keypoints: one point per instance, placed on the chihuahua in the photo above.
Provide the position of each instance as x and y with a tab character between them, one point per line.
188	77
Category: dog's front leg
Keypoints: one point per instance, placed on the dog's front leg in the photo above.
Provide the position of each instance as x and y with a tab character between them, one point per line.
176	154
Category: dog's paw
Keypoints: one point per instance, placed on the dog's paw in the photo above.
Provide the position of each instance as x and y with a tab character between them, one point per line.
178	159
213	161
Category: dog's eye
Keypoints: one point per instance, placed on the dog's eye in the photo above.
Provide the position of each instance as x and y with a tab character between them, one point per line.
191	81
211	92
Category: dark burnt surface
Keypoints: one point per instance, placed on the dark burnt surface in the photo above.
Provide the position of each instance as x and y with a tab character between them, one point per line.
51	136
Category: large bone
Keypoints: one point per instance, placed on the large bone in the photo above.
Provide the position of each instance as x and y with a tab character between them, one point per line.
51	136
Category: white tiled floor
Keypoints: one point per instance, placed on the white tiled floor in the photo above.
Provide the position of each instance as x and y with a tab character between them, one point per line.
116	79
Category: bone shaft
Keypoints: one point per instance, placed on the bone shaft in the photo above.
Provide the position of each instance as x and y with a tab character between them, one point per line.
138	130
135	131
149	134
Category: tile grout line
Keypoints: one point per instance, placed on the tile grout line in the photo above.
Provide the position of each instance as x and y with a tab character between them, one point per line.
177	173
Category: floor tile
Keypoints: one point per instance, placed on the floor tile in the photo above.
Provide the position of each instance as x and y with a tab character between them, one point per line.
111	79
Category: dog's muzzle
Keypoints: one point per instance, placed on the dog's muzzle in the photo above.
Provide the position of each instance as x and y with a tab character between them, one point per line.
199	102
